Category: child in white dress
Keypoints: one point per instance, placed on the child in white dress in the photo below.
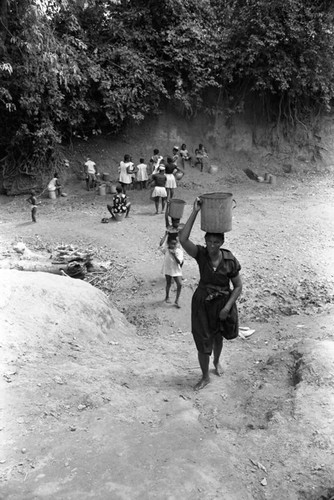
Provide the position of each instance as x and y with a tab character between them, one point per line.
172	266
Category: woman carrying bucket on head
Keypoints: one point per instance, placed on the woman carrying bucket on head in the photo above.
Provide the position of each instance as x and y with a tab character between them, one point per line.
214	313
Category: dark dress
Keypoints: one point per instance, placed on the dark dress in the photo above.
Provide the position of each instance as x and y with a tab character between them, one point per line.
210	297
170	167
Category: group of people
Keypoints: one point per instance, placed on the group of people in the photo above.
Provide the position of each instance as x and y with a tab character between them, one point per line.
214	314
160	175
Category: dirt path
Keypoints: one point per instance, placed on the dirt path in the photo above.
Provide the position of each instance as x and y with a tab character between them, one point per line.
262	431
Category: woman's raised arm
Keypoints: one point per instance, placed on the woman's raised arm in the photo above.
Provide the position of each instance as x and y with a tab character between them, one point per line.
184	234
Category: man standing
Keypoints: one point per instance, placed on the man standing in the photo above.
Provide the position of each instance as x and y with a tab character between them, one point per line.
91	171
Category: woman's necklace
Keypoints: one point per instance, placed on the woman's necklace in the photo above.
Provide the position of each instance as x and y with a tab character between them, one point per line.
216	261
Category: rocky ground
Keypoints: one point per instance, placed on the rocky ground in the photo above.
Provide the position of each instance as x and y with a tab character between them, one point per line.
122	420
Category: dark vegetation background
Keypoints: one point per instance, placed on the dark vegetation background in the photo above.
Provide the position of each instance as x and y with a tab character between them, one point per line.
73	69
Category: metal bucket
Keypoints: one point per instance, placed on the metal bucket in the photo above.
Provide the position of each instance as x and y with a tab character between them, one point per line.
176	208
119	217
213	169
102	190
216	212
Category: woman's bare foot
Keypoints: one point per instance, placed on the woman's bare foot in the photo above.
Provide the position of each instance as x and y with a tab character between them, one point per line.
177	305
202	383
218	369
167	300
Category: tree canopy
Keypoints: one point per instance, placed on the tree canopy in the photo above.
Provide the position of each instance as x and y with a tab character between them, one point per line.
73	68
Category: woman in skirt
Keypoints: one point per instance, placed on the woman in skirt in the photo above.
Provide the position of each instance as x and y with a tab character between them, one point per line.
159	191
214	313
170	172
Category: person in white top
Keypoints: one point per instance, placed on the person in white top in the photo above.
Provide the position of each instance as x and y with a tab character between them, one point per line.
142	176
155	161
54	185
125	170
172	266
91	171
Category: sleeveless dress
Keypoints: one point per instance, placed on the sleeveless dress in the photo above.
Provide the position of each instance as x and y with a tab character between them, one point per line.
170	182
124	177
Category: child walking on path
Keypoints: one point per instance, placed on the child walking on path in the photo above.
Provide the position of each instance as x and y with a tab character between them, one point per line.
33	200
172	266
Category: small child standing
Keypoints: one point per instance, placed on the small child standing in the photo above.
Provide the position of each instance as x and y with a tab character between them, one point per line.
200	153
33	201
172	266
142	176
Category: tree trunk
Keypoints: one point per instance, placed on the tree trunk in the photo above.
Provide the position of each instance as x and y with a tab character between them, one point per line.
3	15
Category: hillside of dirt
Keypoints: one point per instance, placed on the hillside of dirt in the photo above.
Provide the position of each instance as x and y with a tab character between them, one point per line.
96	412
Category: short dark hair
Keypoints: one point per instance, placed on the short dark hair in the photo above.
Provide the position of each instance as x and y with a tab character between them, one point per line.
126	158
156	151
119	188
216	235
172	237
141	160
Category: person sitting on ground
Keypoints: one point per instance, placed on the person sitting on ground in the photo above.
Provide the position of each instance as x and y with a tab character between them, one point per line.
159	191
120	205
214	312
200	153
142	176
184	155
172	266
54	185
91	173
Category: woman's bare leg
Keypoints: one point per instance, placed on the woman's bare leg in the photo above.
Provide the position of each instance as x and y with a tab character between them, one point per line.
217	349
204	360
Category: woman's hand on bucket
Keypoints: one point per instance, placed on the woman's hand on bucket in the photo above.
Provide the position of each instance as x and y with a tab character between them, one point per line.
197	204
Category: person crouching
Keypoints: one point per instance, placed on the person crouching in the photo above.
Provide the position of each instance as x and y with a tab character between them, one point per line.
120	205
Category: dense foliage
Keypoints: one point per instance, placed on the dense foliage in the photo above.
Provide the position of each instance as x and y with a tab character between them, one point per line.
73	68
